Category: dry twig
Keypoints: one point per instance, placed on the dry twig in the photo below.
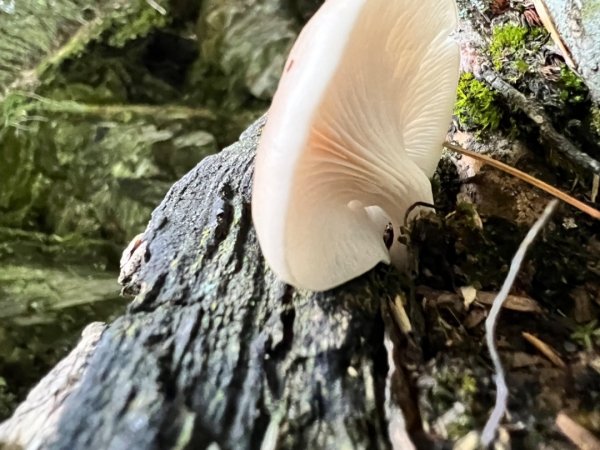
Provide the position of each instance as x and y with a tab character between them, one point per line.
528	179
548	136
493	422
544	349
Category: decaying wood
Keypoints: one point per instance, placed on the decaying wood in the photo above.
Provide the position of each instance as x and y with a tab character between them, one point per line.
36	420
216	352
577	26
548	135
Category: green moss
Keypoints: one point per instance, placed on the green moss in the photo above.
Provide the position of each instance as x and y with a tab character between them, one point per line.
573	89
506	39
509	43
135	21
13	111
476	105
521	66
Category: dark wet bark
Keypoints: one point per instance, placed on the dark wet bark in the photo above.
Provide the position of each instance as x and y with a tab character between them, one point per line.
215	350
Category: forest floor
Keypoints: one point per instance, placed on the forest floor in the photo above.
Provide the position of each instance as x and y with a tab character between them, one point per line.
548	333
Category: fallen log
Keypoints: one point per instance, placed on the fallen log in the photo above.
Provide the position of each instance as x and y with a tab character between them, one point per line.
215	352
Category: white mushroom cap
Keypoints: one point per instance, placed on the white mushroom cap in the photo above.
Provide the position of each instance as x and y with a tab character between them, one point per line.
354	132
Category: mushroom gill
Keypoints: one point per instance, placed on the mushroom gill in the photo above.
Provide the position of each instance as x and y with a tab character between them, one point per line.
354	132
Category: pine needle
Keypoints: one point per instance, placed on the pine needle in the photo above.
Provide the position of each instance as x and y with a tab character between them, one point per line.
489	431
528	179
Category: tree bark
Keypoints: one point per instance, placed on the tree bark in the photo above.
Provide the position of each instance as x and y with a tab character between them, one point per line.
578	23
215	352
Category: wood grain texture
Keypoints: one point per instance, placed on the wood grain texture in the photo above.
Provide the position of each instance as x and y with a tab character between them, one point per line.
35	421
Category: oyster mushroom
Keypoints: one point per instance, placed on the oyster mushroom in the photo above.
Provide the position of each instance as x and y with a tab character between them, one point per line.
353	134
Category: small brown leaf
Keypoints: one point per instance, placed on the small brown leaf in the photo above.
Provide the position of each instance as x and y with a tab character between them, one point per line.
475	317
544	349
513	302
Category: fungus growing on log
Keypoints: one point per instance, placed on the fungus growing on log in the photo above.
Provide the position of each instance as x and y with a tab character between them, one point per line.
354	132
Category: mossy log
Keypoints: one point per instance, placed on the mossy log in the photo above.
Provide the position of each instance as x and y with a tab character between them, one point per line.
548	135
216	352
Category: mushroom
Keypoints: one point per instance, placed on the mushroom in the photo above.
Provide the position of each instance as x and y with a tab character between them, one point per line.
352	136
